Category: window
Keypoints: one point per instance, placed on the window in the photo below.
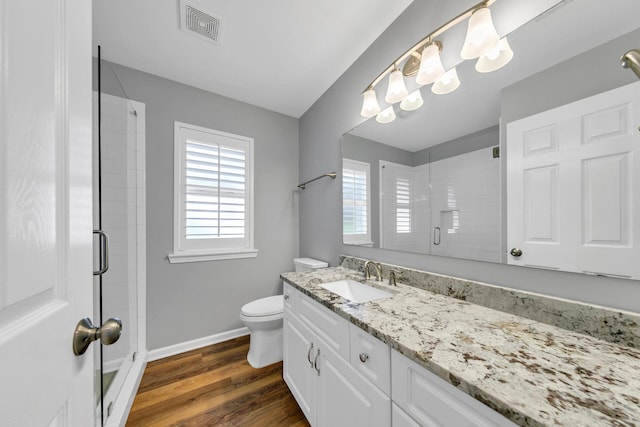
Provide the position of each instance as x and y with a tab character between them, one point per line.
356	202
403	206
213	195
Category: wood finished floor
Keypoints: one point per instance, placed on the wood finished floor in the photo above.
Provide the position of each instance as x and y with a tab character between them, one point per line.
214	386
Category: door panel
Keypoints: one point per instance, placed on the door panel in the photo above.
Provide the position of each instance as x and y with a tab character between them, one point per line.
572	189
45	219
346	398
297	372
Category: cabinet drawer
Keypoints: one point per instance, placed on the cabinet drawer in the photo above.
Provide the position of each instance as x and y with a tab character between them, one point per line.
431	401
290	297
333	329
371	357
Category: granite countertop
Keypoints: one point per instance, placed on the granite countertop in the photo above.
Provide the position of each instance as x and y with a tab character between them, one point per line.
533	373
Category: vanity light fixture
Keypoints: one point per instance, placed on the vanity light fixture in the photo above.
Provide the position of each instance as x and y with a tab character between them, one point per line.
397	90
423	61
370	106
496	58
413	101
431	68
447	83
386	116
481	35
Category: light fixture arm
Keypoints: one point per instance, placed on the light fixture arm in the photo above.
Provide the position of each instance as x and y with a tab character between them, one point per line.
427	39
631	60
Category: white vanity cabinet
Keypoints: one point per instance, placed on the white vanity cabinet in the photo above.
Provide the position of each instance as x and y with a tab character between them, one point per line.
341	375
317	370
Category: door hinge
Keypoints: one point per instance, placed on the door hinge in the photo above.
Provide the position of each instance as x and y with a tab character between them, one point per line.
496	152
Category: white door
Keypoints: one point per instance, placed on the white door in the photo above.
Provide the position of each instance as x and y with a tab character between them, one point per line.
573	186
45	211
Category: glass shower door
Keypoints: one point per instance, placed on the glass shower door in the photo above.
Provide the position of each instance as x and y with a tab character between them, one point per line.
118	187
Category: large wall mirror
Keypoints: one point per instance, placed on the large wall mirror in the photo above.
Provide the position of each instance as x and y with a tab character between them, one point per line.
439	180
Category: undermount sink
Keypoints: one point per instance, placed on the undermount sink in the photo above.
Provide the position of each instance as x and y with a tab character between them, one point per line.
355	291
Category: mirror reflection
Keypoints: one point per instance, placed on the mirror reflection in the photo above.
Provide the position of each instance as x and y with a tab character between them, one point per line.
434	181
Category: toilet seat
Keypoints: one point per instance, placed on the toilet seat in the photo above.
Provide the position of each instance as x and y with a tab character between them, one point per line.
264	307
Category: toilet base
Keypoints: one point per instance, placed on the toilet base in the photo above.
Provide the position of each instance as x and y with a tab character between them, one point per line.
265	348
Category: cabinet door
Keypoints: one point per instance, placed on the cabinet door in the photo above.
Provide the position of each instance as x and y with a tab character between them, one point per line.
297	371
399	418
346	398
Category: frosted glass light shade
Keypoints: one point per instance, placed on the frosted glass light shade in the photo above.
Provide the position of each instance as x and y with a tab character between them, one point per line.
447	83
370	106
481	35
413	101
496	58
397	89
431	68
386	116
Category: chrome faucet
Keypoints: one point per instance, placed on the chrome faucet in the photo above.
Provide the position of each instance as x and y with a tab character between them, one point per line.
392	277
377	266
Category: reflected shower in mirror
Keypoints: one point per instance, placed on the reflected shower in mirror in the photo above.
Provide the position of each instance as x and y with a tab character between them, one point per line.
436	180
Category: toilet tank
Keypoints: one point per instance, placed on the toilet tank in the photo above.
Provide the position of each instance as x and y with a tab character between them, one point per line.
305	264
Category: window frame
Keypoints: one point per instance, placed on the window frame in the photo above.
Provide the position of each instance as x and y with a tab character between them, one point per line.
194	250
358	239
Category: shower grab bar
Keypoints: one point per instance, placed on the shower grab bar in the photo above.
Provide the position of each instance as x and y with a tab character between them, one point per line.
331	175
104	252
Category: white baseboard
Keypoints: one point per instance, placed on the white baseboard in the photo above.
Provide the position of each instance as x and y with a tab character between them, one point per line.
172	350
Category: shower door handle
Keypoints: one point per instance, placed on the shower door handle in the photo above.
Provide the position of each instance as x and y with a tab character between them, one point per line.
103	240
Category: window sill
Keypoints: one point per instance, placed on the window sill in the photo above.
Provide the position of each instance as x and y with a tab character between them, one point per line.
364	244
177	258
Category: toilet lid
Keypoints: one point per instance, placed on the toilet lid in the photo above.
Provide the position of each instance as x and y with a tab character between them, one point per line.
264	306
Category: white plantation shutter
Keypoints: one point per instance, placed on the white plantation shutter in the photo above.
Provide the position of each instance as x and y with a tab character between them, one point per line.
356	202
215	191
403	206
213	195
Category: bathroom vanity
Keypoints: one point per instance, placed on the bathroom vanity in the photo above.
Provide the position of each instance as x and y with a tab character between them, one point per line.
423	358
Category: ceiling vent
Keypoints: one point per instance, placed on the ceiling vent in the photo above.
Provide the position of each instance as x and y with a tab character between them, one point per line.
199	23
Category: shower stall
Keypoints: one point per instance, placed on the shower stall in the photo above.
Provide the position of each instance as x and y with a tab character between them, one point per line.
119	242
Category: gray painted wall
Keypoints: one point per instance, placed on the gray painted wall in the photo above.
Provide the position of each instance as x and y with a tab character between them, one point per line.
337	110
194	300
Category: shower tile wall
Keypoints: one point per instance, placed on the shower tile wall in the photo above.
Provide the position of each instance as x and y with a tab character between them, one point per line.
123	220
465	204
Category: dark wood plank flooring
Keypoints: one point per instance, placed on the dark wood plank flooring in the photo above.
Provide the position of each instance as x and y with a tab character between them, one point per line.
214	386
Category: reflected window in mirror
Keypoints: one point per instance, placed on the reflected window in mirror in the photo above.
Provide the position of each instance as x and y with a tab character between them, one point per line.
356	202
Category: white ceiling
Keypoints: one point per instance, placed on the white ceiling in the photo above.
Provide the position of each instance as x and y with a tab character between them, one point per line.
281	55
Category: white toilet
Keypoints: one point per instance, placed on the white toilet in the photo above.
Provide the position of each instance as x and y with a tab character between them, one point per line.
263	317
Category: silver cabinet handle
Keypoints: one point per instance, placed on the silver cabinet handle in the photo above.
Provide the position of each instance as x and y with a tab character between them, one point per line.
436	232
104	252
315	363
363	357
309	355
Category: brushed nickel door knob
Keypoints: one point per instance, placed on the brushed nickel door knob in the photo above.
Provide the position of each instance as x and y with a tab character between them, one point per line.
516	252
86	333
